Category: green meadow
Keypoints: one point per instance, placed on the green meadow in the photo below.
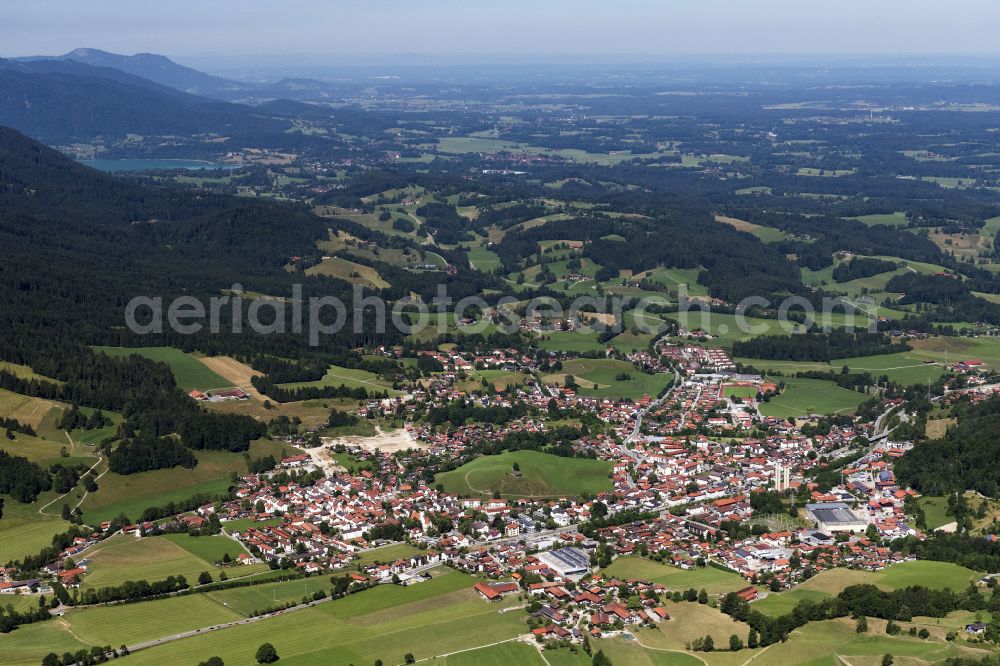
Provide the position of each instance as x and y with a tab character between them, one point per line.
189	372
541	475
715	581
349	377
811	396
600	378
431	618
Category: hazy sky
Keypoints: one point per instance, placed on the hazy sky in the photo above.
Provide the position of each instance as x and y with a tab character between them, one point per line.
236	27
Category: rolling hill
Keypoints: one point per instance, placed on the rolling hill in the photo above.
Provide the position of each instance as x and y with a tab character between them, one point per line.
151	66
58	100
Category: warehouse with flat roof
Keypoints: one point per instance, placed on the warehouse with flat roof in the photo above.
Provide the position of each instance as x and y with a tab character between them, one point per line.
572	563
834	517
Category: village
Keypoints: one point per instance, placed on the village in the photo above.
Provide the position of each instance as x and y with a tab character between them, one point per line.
699	478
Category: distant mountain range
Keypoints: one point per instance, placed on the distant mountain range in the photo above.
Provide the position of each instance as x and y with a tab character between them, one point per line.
166	72
151	67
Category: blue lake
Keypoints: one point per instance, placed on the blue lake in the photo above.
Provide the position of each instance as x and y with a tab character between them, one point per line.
149	164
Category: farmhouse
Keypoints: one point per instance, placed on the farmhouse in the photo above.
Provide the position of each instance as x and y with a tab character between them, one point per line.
495	591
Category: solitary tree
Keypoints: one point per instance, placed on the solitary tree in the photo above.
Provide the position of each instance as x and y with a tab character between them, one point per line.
735	644
862	625
266	654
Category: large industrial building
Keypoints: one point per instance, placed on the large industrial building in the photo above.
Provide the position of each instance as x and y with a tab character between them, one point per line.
572	563
834	517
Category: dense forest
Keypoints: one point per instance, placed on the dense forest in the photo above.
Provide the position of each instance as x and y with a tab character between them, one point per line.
21	479
861	267
966	457
817	346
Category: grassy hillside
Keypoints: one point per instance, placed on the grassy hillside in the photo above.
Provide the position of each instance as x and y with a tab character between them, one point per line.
542	475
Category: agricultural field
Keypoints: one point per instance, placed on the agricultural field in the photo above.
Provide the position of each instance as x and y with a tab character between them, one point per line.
348	271
779	603
246	600
124	557
471	144
633	653
389	553
829	583
189	371
673	278
504	654
600	378
714	581
351	378
837	642
765	234
26	531
726	328
26	409
802	397
917	366
483	259
897	219
147	620
579	341
24	372
903	367
690	621
436	617
541	475
312	413
500	380
133	493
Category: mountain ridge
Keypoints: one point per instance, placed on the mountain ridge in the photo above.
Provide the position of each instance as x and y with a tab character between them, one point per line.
151	66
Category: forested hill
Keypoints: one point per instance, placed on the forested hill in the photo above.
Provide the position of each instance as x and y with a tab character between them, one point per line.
57	100
78	244
967	457
150	66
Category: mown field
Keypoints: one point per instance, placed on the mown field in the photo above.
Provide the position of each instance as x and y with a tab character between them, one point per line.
133	493
349	271
25	531
436	617
811	396
714	581
600	378
189	372
124	557
939	575
388	554
247	600
928	359
504	654
541	475
351	378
